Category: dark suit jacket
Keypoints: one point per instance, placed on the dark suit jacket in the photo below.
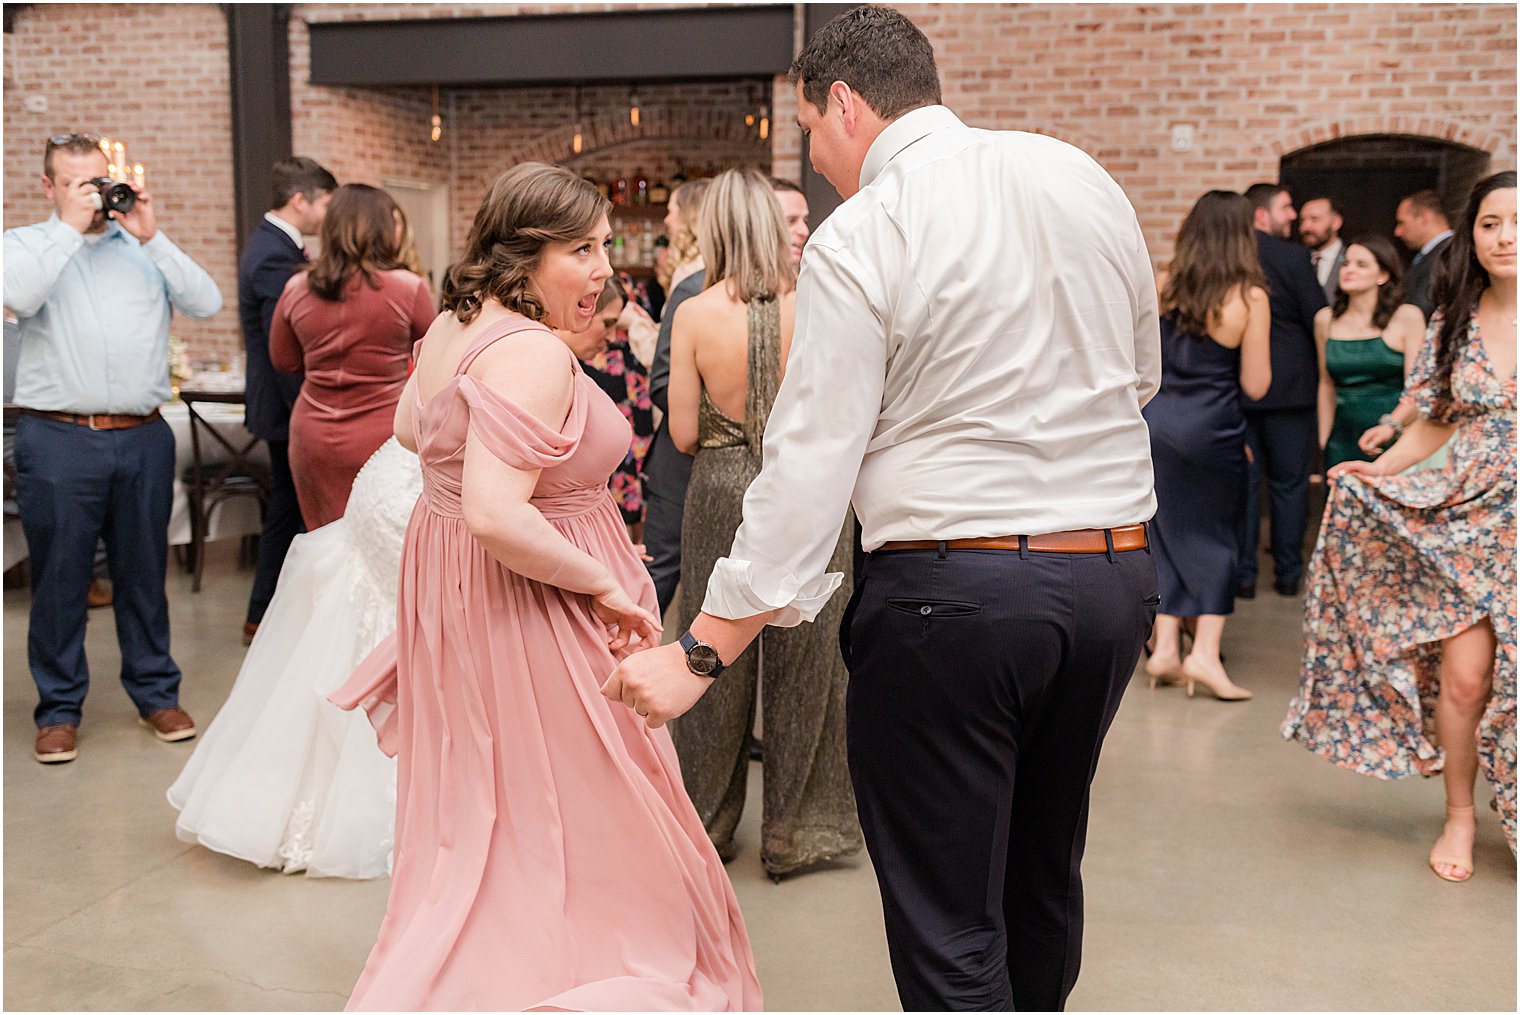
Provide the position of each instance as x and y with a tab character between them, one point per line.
268	262
1295	295
1421	272
666	466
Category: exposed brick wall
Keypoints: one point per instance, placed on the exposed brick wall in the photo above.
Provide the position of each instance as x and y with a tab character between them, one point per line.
156	77
1257	82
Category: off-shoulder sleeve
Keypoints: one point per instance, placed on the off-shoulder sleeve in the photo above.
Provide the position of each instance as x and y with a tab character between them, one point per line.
516	436
372	687
1425	388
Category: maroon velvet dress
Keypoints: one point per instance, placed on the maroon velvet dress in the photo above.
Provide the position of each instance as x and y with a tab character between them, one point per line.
356	353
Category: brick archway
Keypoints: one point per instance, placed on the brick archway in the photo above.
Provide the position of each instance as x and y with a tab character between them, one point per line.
612	129
1454	132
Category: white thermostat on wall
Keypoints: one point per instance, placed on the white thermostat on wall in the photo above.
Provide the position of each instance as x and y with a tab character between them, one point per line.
35	103
1182	137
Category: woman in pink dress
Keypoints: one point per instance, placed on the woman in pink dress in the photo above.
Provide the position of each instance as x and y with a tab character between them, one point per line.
350	324
547	856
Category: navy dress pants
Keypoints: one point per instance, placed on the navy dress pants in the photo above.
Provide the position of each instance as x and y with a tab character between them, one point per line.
1282	444
282	524
76	486
982	683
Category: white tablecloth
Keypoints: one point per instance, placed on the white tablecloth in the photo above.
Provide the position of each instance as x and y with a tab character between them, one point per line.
234	517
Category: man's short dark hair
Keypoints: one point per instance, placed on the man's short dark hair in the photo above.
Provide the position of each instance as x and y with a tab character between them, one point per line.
879	53
1427	200
1325	198
1261	195
781	186
300	175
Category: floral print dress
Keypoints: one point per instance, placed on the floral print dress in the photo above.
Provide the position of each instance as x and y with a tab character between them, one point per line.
618	372
1404	562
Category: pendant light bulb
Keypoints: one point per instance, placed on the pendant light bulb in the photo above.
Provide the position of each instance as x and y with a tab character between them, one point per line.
749	119
437	132
577	144
765	122
633	108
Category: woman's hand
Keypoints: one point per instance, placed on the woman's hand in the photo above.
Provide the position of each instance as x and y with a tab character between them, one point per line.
1357	469
1373	440
626	620
643	553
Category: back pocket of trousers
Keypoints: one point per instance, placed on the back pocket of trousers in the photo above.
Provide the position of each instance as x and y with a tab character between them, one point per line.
930	608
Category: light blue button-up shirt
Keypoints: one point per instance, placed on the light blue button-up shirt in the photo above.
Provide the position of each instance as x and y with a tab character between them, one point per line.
95	315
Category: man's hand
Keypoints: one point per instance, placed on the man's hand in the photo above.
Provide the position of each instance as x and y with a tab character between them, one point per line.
141	222
77	205
656	684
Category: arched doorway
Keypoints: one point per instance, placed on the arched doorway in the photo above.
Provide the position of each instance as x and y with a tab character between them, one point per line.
1367	175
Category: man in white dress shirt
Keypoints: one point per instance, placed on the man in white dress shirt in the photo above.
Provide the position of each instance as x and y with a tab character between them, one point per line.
976	332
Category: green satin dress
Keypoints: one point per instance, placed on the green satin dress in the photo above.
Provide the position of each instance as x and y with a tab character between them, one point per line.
1369	379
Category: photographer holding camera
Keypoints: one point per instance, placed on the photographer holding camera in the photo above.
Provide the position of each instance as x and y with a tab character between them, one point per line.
93	287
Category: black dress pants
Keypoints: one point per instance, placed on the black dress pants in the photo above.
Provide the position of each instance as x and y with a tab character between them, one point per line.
982	683
1282	446
667	473
282	524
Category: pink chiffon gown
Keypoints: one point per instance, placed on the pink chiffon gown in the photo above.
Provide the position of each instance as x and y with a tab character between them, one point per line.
546	854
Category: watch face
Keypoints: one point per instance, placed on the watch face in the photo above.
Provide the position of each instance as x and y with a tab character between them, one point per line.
702	659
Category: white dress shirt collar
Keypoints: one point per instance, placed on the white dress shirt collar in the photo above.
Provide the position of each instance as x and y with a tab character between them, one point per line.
287	229
914	125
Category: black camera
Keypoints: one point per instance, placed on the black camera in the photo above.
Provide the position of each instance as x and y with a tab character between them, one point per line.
113	196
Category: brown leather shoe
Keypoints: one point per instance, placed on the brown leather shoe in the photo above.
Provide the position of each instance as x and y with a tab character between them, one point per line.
100	594
250	628
170	724
56	744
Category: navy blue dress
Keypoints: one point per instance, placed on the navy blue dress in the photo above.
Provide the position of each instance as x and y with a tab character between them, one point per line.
1198	437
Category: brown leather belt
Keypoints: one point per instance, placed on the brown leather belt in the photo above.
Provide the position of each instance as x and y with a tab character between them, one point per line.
96	420
1126	537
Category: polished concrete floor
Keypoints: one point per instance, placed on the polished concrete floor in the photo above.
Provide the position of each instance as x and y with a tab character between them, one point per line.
1226	869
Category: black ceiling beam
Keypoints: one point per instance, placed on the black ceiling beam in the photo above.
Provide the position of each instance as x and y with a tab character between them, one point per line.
644	45
258	51
11	10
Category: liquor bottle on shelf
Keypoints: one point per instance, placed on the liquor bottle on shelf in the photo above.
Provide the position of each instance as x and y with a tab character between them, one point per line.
659	193
620	190
602	188
640	188
619	250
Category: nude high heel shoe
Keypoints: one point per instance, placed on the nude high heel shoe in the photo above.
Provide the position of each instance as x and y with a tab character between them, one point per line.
1445	856
1218	684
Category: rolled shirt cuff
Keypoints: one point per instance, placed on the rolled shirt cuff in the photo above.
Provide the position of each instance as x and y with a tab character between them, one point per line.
743	588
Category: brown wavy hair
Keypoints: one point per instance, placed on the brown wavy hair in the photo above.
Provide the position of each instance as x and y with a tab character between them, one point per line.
526	208
688	197
358	238
1216	254
1390	293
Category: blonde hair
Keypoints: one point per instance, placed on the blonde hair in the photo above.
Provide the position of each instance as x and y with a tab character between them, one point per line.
743	237
527	207
683	248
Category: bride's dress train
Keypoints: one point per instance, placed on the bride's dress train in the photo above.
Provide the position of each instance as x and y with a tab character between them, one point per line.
282	778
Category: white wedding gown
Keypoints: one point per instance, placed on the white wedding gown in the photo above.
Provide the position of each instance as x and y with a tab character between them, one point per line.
282	778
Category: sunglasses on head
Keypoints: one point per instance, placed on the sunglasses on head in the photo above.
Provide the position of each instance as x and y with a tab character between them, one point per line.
62	140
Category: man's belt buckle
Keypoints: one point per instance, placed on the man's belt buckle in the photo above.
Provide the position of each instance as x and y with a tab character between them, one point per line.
91	419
